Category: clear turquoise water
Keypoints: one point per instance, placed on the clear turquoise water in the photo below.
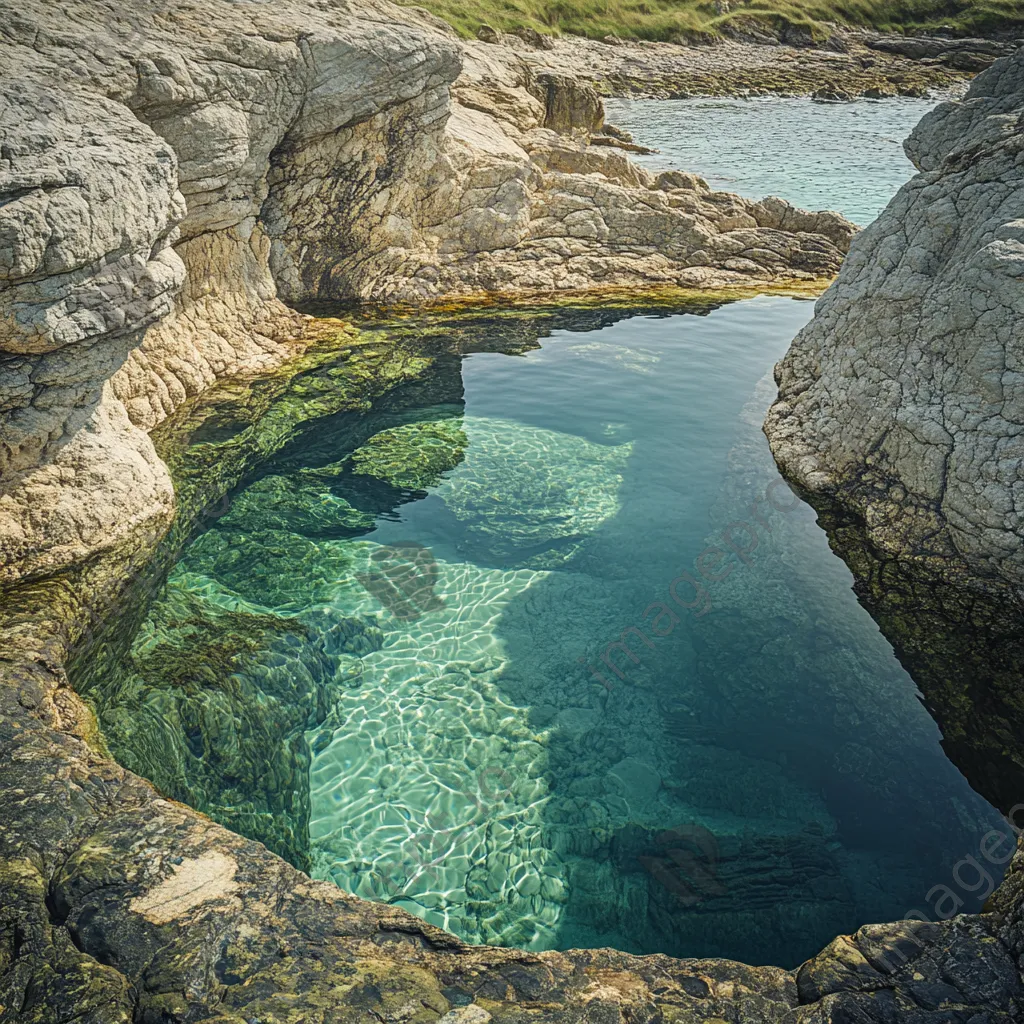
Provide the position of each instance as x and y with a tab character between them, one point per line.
596	677
756	776
821	156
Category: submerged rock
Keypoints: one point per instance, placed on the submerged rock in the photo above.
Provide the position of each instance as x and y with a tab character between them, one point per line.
273	568
523	488
296	504
414	456
963	649
211	704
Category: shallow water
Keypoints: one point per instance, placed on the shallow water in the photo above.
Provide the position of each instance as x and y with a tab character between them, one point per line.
584	672
595	677
821	156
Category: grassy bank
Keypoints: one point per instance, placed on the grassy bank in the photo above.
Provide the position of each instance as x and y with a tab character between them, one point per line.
695	19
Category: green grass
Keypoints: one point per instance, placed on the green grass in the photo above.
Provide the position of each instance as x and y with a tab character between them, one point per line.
666	19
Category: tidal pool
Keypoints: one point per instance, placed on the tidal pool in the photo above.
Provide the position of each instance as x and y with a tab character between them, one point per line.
822	156
509	620
586	671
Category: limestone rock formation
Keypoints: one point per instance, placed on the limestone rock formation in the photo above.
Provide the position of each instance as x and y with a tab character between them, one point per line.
902	399
169	174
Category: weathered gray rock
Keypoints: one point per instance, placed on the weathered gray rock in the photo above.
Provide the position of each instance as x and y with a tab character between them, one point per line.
963	54
86	262
903	400
569	103
513	198
167	178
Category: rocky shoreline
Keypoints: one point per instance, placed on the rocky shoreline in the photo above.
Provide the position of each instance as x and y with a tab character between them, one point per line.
120	904
165	181
848	65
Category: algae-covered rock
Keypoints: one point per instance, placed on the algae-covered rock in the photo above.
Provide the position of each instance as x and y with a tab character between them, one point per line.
413	456
296	504
273	568
214	700
523	488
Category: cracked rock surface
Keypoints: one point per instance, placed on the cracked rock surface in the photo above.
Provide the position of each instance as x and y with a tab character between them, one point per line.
170	173
903	400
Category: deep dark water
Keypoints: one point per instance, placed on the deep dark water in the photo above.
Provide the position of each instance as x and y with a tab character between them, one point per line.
430	648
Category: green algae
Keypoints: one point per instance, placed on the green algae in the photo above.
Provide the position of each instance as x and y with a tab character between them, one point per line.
514	310
215	440
214	700
202	645
192	713
300	504
413	456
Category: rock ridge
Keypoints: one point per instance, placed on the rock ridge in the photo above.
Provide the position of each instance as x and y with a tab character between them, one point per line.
170	176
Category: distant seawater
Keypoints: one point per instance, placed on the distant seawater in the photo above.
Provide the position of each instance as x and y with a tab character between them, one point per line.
822	156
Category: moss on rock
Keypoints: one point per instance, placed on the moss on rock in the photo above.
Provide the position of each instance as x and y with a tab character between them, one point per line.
414	456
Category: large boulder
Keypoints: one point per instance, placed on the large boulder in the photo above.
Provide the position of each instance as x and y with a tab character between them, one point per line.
903	399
